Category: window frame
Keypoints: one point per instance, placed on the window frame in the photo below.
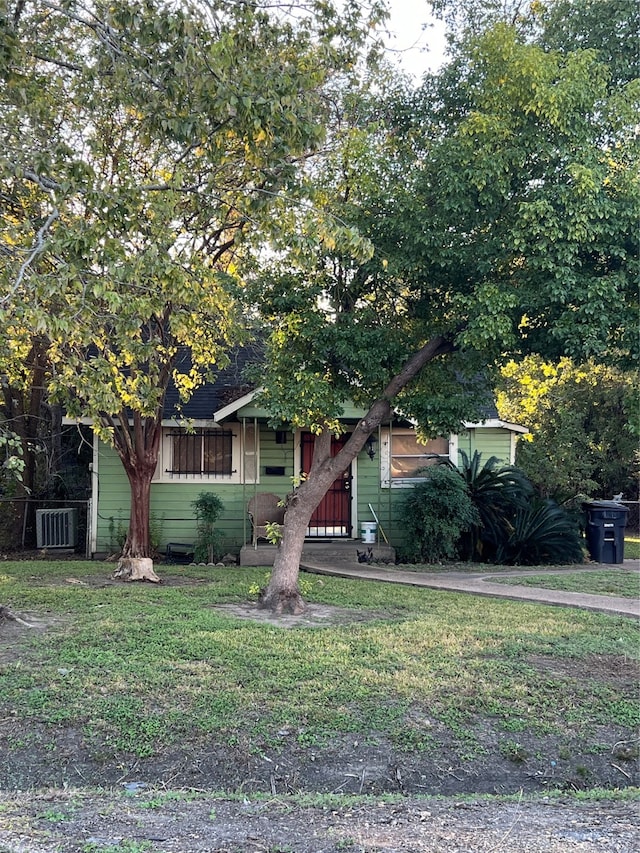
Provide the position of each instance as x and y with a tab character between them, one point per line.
386	456
206	444
240	434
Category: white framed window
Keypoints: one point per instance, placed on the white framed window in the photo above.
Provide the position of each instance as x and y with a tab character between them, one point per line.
207	454
201	453
403	458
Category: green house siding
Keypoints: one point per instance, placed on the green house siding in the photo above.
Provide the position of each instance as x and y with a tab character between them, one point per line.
113	497
367	491
278	462
487	441
171	505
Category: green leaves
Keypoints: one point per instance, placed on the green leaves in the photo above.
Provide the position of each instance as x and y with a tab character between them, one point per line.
161	135
583	422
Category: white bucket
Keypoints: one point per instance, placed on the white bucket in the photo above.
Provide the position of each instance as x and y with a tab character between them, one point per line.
369	529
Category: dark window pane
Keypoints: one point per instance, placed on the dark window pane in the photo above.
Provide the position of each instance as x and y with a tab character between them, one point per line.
217	453
206	452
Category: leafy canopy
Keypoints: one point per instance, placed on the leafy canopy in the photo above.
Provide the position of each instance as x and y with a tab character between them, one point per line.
583	426
144	145
500	200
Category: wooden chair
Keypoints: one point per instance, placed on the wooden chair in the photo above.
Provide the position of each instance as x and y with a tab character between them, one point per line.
264	508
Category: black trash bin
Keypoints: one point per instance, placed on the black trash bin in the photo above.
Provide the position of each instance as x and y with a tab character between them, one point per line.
606	521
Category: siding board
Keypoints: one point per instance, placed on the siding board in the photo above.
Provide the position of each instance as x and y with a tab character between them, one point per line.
171	501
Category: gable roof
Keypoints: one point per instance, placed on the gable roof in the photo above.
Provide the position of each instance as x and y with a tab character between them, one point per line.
232	389
230	384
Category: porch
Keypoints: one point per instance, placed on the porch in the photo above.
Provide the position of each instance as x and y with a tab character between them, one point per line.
325	550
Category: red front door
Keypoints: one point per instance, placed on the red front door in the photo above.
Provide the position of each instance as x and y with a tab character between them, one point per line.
332	516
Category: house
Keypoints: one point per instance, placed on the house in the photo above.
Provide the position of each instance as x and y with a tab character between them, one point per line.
231	449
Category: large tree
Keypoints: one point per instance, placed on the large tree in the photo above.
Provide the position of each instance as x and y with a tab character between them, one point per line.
500	200
22	406
610	27
583	425
144	144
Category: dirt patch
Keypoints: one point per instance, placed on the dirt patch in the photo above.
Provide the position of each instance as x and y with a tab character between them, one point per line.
13	630
315	615
482	759
615	670
161	821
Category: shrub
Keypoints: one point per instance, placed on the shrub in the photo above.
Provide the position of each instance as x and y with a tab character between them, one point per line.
118	534
436	513
208	509
542	534
497	491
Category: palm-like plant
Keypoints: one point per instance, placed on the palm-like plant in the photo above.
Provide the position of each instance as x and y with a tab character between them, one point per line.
498	492
542	533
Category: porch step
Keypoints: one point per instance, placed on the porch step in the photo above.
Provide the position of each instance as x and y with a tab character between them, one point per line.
331	550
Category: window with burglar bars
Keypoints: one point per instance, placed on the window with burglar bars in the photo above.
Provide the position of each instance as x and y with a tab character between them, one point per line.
205	452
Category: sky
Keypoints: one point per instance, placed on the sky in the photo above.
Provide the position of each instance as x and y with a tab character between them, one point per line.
415	48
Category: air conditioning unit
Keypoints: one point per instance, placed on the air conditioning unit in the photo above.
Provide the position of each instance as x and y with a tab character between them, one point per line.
56	528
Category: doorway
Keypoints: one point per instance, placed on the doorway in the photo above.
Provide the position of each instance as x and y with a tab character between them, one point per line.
332	517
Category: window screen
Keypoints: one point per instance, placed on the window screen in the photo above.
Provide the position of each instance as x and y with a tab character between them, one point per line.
408	456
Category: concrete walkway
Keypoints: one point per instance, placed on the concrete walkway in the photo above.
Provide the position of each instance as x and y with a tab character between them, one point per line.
484	584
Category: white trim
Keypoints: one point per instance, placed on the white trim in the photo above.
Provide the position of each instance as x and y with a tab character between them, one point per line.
232	408
95	492
386	481
495	423
67	421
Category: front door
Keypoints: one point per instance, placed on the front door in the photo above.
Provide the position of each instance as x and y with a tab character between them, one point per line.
332	516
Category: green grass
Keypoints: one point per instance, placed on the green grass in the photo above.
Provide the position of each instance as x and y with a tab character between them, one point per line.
138	667
619	582
632	548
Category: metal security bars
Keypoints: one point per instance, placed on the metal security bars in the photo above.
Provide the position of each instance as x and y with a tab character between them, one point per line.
204	452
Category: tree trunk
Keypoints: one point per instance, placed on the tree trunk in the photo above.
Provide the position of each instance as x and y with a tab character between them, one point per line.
138	445
282	594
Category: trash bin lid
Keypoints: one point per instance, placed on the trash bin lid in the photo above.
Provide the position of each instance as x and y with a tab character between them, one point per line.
606	505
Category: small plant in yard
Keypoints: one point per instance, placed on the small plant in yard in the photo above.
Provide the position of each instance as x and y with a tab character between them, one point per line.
305	584
118	534
208	508
54	816
436	513
274	532
514	751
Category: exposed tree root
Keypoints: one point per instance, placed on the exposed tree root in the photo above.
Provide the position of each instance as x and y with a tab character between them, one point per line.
282	602
135	569
5	613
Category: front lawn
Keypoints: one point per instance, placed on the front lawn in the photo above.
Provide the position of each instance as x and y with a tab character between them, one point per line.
618	582
632	547
380	688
